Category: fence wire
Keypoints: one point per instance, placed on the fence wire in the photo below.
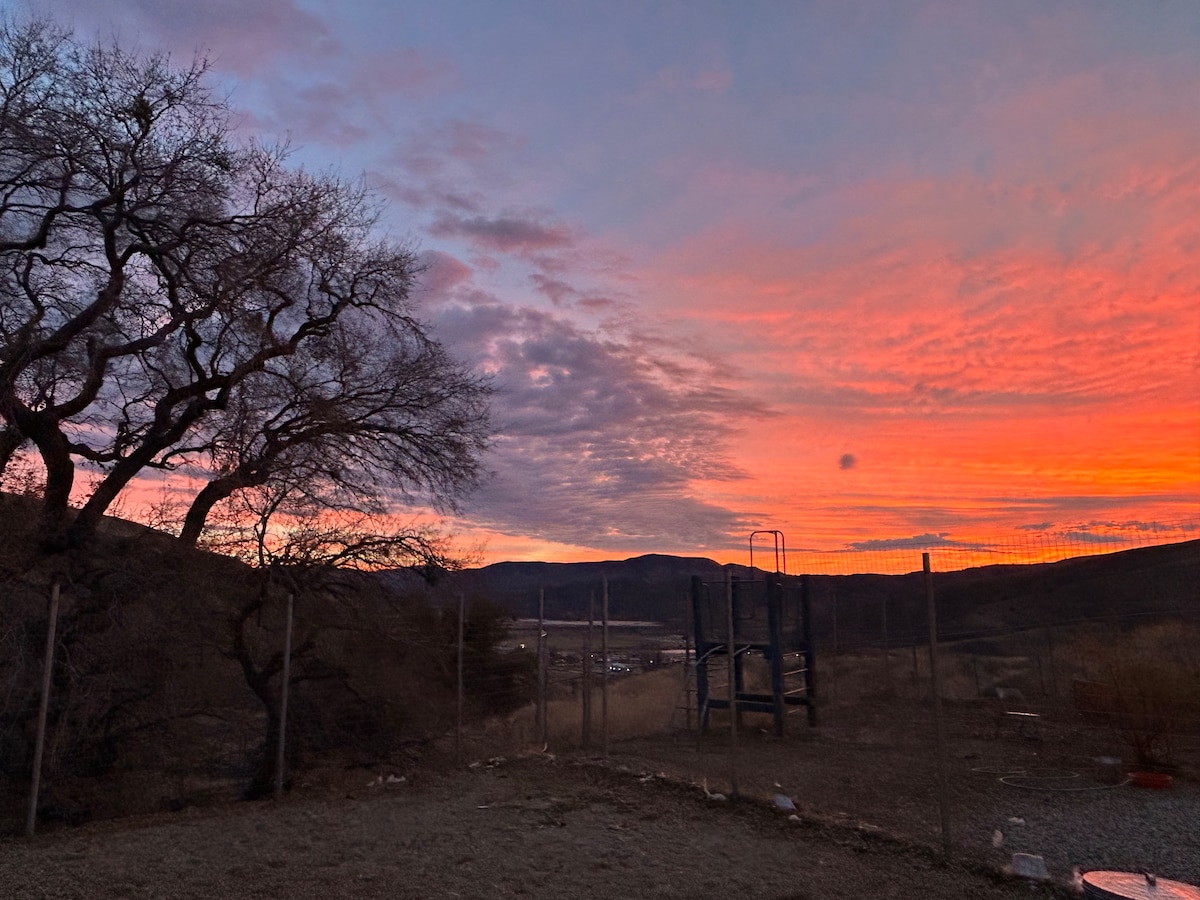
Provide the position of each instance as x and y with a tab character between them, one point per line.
1062	692
1059	676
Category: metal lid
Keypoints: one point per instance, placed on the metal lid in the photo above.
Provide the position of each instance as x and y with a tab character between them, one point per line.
1135	886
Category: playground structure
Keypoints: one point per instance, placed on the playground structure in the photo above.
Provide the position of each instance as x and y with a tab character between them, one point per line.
768	618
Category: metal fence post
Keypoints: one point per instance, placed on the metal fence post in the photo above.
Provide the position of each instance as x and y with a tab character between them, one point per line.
43	709
938	725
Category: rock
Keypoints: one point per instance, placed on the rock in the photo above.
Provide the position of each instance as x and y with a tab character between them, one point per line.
1027	865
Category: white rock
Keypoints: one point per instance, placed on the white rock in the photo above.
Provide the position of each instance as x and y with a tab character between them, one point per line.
711	796
1027	865
784	803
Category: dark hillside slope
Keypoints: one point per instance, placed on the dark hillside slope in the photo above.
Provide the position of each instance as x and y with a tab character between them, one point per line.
1150	582
167	675
645	587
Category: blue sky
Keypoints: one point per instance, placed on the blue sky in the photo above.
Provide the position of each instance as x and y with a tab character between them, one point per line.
864	272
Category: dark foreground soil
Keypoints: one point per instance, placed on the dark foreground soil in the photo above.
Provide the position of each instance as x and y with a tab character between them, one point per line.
639	822
533	827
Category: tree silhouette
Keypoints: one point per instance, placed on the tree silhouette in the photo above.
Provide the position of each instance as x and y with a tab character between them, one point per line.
172	299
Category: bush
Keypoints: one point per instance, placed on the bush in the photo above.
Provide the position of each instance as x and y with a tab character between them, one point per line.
1152	677
167	670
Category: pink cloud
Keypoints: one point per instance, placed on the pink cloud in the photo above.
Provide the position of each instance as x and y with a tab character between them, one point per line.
441	149
972	286
710	76
323	111
411	71
1022	329
241	36
443	273
557	290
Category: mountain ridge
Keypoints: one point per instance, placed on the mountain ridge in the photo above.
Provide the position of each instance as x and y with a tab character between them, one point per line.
1147	582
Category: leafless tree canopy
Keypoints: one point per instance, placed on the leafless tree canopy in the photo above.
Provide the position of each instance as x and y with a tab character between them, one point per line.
171	298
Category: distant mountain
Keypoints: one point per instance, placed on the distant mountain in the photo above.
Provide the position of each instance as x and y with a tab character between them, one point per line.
1146	583
645	587
1124	587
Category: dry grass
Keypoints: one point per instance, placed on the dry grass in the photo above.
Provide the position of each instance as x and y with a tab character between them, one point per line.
638	706
1152	680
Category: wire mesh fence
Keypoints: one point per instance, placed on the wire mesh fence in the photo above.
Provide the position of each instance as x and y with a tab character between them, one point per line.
1059	671
1065	677
163	695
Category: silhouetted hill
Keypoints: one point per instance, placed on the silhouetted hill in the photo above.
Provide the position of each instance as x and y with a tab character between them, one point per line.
1162	581
645	587
169	660
1146	582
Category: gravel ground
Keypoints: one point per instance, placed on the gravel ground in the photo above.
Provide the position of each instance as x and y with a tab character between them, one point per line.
1125	828
880	771
536	827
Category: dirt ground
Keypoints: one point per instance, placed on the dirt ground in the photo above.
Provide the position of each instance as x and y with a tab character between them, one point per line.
535	827
637	822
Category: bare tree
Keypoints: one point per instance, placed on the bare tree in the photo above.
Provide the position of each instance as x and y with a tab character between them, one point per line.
170	299
105	162
350	424
299	545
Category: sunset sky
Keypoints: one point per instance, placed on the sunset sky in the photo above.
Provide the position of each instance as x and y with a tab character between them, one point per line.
873	274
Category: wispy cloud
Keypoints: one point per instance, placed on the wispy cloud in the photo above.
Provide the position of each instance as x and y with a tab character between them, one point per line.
239	36
599	433
520	233
451	145
442	273
916	542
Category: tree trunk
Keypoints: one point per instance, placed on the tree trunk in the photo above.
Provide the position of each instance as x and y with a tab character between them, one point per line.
213	493
258	680
262	783
88	520
10	442
85	524
60	479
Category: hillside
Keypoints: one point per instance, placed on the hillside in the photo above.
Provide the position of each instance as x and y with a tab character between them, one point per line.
1149	582
645	587
167	677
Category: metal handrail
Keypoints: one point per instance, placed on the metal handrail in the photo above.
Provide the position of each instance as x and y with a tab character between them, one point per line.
780	549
